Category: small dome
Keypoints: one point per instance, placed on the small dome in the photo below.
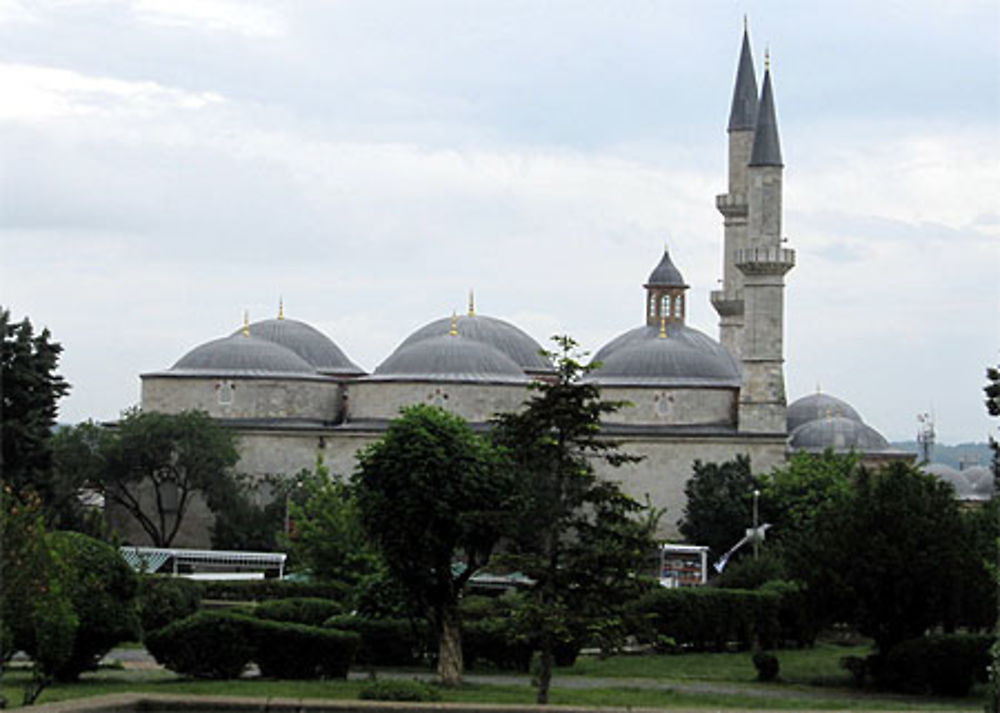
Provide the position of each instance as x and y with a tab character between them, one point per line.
975	483
665	274
449	358
241	355
502	336
818	406
308	342
684	357
839	433
980	480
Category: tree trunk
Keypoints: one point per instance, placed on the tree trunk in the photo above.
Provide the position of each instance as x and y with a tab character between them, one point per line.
450	647
545	669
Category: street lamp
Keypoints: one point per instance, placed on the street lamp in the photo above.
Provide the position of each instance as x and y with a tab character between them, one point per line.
756	532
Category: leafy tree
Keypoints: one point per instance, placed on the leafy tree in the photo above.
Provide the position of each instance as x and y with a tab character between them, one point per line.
992	390
251	512
719	505
578	537
430	494
325	534
152	465
890	551
30	389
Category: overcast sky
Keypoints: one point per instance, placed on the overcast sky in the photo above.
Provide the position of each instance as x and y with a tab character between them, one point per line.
170	163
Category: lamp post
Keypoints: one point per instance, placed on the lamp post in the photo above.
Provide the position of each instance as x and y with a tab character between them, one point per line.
756	532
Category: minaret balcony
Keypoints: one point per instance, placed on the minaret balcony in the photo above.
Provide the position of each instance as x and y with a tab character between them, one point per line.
765	260
727	303
732	205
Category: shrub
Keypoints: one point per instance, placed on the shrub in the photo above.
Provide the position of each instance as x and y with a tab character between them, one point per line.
385	642
163	600
398	690
101	587
495	639
289	650
208	644
766	665
796	623
311	611
258	590
706	618
944	664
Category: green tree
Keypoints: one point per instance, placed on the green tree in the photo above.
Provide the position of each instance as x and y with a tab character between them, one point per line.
431	494
719	504
153	464
326	535
251	512
578	537
891	551
30	389
992	390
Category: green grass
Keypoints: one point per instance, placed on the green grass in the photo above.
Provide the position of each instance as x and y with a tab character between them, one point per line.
811	679
819	665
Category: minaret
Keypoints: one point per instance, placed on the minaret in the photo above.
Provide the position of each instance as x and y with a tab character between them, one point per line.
763	264
728	301
665	290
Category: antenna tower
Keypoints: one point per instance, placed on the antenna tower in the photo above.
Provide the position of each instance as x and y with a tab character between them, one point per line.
925	436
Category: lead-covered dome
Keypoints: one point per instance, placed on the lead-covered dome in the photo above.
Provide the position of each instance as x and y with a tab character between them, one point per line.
496	333
665	274
241	355
840	433
816	406
309	343
449	358
684	357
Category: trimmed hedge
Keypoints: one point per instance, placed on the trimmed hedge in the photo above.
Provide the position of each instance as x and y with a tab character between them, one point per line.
297	651
311	611
219	644
258	590
385	642
399	690
208	644
943	664
163	600
706	619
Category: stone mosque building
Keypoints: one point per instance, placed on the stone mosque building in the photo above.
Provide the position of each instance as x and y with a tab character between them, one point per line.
291	394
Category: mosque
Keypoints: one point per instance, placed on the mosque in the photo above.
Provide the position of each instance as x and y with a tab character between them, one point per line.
291	394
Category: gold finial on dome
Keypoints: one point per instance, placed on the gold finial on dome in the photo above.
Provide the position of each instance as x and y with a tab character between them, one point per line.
454	325
472	303
281	307
246	323
663	327
818	389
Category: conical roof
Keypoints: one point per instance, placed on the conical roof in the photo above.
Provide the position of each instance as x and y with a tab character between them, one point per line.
766	146
743	113
665	274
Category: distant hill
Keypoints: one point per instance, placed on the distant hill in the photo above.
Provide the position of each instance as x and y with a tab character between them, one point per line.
973	453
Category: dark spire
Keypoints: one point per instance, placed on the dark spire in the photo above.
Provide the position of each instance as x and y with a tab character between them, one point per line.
766	147
744	110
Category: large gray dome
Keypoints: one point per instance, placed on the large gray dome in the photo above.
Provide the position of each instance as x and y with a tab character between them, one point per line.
240	355
309	343
449	358
839	433
502	336
975	483
684	357
817	406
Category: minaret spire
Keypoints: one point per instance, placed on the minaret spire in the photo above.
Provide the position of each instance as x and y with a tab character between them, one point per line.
743	112
766	146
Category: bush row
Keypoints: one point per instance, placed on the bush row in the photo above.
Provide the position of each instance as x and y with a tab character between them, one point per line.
259	590
943	664
220	644
710	619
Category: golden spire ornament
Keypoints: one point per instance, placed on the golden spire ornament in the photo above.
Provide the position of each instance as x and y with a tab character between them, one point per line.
472	303
663	327
246	323
281	308
454	325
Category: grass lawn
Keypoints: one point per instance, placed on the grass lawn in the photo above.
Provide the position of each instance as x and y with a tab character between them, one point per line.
818	666
811	680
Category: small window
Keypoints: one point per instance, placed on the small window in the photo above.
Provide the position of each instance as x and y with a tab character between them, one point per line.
224	391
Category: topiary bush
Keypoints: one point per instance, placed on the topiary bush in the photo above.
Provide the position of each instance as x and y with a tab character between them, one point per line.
943	664
259	590
767	666
385	642
102	588
208	644
398	690
297	651
311	611
163	600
